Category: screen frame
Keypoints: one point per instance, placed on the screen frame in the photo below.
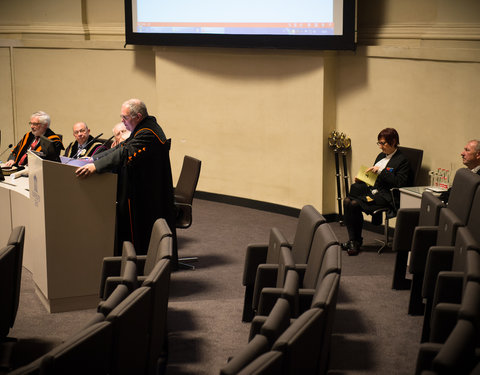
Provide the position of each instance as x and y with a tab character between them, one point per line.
347	41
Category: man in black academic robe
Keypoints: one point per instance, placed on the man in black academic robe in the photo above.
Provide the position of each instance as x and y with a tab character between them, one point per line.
145	188
39	125
84	144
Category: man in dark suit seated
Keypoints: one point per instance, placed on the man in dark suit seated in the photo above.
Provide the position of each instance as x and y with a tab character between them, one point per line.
471	159
39	125
393	171
83	145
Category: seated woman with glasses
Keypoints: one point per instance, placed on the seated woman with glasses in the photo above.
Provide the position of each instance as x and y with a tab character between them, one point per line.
393	171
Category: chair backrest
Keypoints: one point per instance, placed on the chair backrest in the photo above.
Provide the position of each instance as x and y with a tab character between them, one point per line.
17	238
415	157
275	242
448	223
473	222
464	241
429	209
301	343
187	182
465	184
87	352
131	329
159	281
7	282
308	221
158	245
457	354
323	239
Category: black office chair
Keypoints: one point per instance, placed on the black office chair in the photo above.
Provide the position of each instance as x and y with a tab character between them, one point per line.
184	191
414	157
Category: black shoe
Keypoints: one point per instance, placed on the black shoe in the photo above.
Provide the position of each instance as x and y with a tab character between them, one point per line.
353	248
345	245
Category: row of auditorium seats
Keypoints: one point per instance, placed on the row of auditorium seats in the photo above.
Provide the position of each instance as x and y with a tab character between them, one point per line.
290	300
444	245
128	334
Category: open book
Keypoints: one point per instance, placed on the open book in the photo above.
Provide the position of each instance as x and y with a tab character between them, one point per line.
368	177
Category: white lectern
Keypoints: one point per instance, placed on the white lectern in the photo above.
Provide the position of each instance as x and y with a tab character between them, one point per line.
71	228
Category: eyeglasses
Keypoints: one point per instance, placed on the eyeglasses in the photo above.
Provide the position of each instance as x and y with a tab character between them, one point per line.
35	123
382	143
81	131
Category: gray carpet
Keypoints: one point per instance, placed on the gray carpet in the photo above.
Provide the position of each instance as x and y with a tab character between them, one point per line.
372	335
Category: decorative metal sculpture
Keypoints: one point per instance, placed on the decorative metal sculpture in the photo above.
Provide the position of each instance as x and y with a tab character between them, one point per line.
340	143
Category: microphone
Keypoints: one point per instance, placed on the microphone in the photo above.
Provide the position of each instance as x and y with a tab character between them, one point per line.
88	144
8	147
102	145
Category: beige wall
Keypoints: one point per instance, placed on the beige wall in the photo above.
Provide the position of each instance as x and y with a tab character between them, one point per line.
258	119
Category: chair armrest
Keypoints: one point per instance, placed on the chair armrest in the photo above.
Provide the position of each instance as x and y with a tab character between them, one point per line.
255	255
439	258
423	239
110	267
426	354
110	284
141	259
266	277
407	220
268	298
448	288
256	325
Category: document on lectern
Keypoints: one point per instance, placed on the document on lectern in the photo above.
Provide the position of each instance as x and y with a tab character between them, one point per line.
368	177
74	162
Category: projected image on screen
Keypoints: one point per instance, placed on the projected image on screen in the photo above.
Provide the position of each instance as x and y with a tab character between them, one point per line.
292	24
247	17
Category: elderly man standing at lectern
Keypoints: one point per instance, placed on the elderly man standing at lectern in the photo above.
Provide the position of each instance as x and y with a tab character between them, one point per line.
145	188
39	125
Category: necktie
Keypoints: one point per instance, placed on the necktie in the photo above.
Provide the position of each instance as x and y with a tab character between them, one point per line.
23	160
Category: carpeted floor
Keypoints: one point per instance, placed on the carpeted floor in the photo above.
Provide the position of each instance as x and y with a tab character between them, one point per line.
372	335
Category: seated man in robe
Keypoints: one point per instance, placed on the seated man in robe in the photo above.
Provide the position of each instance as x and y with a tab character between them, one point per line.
83	145
39	125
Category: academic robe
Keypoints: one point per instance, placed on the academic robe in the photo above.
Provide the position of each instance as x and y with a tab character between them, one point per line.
72	148
22	147
145	188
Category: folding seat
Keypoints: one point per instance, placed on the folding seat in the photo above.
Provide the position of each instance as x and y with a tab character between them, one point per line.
324	258
160	247
127	275
256	254
17	238
407	220
8	282
301	343
159	282
445	258
131	321
456	214
456	356
87	352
